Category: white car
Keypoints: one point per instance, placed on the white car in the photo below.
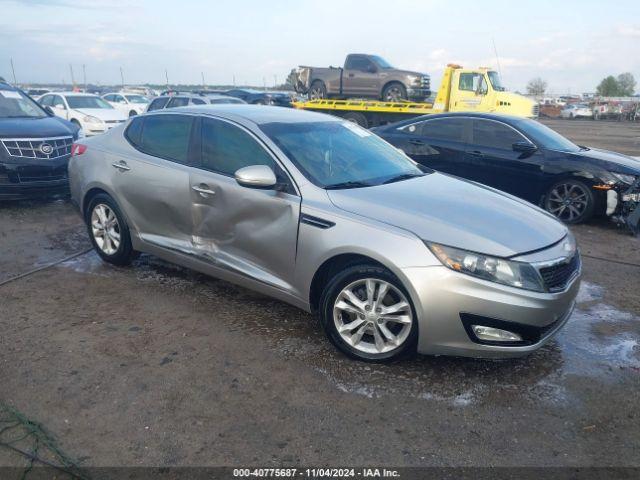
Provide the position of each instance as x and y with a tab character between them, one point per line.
576	110
91	113
129	103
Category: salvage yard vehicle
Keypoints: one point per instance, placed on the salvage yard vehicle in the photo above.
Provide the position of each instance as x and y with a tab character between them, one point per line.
461	90
526	159
182	100
260	97
576	110
129	103
365	76
35	148
325	215
89	112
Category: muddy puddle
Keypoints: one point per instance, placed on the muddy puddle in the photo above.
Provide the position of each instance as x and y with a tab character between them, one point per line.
599	342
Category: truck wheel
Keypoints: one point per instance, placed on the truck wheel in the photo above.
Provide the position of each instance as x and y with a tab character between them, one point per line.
394	92
318	90
358	118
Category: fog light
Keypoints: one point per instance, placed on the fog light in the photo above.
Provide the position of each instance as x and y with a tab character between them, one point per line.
491	334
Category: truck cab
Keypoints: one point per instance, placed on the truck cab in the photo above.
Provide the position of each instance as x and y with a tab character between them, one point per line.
480	90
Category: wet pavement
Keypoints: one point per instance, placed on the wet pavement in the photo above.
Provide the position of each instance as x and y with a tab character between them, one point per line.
155	364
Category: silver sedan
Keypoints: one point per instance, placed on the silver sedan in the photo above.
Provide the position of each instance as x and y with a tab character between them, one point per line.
322	214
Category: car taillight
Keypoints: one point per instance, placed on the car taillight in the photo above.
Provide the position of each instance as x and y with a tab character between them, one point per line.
78	149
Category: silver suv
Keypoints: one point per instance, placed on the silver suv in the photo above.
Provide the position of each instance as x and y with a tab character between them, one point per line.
320	213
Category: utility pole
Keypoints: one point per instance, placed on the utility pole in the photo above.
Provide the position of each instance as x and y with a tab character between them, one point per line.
264	83
84	76
234	80
203	85
166	76
13	71
73	80
122	77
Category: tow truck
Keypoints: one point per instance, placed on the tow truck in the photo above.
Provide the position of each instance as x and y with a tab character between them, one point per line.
461	90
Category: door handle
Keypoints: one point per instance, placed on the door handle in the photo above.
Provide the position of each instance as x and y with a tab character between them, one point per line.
203	190
476	153
121	165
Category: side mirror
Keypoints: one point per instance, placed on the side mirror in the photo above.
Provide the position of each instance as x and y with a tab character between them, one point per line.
524	147
256	176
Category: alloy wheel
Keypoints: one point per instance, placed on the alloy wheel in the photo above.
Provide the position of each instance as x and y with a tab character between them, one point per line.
394	94
105	229
372	316
568	201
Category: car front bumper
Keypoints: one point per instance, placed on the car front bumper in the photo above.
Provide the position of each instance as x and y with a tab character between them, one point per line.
33	181
445	300
91	129
417	93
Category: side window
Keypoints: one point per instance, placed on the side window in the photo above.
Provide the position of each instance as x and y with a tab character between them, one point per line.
443	129
58	102
158	103
133	133
178	102
358	63
108	98
167	136
198	101
227	148
469	81
497	135
46	100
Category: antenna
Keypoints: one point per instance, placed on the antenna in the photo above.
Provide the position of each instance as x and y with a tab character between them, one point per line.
13	70
203	84
495	50
166	76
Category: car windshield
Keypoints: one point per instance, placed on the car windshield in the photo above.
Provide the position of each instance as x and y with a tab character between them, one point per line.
381	62
137	99
77	101
336	154
15	104
496	83
545	137
225	100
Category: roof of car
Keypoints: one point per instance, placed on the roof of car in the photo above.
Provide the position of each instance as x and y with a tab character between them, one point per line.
487	116
258	114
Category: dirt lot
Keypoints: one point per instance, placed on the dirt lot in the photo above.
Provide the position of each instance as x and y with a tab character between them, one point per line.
157	365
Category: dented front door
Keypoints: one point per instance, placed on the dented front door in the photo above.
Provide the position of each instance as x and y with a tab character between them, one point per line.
248	231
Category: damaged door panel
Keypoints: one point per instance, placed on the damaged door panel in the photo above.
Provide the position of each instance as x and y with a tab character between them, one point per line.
250	231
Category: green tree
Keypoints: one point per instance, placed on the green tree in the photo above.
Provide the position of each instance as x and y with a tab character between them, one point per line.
627	84
609	87
536	86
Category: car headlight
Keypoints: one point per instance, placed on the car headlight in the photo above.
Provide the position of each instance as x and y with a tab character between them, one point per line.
493	269
623	178
90	119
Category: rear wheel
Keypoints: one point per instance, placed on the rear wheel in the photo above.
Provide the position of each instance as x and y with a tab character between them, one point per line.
394	92
108	230
570	201
318	90
368	315
358	118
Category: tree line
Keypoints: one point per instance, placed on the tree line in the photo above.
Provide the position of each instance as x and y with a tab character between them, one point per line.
624	85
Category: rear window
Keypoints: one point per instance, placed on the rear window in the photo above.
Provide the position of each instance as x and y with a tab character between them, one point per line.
167	136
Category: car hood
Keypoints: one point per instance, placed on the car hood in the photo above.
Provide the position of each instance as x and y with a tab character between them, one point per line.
103	113
453	212
36	127
405	72
612	161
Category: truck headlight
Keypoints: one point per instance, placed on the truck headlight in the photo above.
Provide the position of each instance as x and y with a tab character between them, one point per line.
90	119
493	269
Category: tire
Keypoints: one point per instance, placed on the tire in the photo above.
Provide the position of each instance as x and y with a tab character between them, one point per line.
367	339
394	92
570	201
132	113
113	244
318	90
357	118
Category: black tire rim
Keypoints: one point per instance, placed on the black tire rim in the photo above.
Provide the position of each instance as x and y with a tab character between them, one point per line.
394	94
568	201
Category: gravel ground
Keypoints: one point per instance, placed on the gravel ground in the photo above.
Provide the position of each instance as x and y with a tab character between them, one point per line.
156	365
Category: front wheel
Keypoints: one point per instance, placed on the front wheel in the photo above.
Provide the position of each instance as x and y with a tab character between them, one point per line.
394	92
368	315
570	201
108	231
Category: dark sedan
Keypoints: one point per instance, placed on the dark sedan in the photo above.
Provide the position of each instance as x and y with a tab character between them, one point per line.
527	159
259	97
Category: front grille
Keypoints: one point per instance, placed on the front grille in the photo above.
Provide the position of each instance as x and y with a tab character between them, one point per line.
556	277
425	82
40	174
43	148
536	110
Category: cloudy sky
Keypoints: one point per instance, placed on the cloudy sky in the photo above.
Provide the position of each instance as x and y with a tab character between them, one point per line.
571	44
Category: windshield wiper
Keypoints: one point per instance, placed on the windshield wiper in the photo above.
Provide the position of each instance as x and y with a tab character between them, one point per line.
404	176
349	184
